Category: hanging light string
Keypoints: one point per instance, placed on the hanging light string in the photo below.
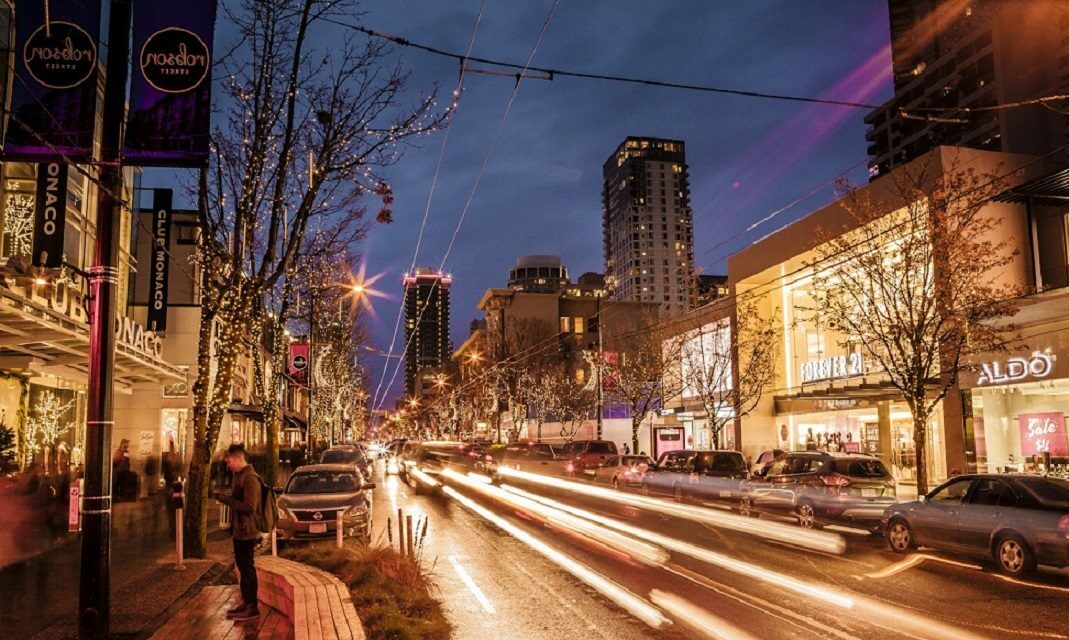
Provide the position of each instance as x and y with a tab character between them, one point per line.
475	184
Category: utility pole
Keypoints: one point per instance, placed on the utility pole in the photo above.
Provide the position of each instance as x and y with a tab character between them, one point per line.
311	367
601	355
94	588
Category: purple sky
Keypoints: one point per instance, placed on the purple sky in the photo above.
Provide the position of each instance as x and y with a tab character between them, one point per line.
542	189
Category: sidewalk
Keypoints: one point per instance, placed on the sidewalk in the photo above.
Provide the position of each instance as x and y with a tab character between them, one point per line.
39	595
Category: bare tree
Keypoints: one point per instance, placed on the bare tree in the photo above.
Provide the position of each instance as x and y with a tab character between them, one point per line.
306	122
570	401
916	283
634	367
710	354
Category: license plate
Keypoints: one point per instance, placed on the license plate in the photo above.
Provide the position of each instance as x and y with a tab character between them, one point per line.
319	527
868	493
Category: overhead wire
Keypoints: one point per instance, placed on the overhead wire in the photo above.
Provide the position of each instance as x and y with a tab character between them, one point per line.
477	181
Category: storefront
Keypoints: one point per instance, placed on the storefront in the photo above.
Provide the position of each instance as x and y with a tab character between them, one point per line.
1016	405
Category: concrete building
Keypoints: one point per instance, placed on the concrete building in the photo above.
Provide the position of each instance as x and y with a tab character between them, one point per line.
538	273
948	54
646	224
426	323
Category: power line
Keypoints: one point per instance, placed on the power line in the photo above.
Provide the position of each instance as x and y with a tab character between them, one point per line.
430	197
479	176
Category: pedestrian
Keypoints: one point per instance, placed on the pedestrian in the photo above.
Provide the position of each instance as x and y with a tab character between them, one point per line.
627	450
244	502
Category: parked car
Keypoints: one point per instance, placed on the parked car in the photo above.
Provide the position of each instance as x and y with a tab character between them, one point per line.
346	455
313	496
535	457
768	455
584	456
1019	520
716	476
623	470
821	487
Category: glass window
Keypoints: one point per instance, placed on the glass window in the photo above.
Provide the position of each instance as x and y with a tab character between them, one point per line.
612	462
993	493
951	493
865	468
1047	489
565	324
777	468
580	325
322	482
729	463
601	447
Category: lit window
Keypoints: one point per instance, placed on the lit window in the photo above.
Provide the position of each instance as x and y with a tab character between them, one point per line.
565	324
580	325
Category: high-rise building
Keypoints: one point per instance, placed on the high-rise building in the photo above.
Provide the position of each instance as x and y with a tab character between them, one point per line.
646	222
538	273
948	54
426	323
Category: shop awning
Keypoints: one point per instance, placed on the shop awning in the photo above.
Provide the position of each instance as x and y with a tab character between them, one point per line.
293	421
253	412
1051	189
43	331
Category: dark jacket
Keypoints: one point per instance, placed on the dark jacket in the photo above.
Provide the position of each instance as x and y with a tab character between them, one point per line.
244	501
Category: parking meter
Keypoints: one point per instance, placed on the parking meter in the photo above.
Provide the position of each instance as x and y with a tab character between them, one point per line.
176	500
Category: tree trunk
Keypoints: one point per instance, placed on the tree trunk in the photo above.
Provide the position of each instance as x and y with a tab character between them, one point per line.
920	440
636	424
198	485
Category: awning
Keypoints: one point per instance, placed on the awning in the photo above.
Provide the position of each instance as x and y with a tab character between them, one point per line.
253	412
43	330
1051	189
293	421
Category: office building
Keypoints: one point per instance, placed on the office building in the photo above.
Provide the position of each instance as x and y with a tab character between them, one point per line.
427	341
949	54
646	222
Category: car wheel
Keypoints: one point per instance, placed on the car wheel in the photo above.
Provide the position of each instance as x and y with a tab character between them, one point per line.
615	482
807	515
746	507
1013	555
900	537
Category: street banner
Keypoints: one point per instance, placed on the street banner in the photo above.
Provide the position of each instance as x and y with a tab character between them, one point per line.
54	90
1042	432
160	260
170	84
50	215
298	364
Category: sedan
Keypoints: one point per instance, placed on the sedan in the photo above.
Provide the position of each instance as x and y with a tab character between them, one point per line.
315	496
623	470
1018	520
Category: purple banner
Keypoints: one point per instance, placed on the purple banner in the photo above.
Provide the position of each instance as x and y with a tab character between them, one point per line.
54	91
170	83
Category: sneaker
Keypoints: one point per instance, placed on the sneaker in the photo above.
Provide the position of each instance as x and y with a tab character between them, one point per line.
247	613
232	611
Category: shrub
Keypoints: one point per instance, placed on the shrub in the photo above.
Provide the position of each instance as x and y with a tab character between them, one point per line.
392	593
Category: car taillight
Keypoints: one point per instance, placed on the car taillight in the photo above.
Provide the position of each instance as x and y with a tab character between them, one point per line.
1063	524
835	480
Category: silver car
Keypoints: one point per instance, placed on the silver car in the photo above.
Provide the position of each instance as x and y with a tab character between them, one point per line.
315	495
1019	520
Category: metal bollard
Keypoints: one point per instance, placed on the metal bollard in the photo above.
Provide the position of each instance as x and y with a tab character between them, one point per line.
408	533
178	534
274	541
400	532
224	516
339	528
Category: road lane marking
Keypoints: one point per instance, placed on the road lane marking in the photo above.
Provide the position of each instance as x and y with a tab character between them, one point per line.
469	582
914	560
1030	584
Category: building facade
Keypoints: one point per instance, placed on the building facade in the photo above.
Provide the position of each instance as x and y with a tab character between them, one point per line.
948	54
647	226
427	342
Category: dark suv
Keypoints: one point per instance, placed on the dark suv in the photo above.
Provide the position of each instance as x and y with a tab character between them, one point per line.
818	487
584	456
717	476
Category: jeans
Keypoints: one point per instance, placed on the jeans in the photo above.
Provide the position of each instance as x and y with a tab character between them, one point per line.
243	557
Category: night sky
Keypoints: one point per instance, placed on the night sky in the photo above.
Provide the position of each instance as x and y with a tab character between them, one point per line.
541	191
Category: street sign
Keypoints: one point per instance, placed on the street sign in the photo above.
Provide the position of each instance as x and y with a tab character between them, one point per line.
73	520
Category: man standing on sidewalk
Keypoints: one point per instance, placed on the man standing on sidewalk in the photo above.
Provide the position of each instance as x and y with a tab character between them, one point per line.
244	501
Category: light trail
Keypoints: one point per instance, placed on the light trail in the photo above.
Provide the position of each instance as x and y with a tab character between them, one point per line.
469	582
696	618
645	553
816	540
630	602
868	609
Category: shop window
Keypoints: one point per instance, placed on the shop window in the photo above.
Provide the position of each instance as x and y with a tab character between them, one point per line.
814	344
565	324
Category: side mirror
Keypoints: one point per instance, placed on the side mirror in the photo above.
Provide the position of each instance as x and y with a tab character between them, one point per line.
922	498
369	485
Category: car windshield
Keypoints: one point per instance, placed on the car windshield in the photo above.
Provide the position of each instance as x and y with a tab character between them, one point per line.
601	447
635	461
860	468
1047	489
341	456
322	482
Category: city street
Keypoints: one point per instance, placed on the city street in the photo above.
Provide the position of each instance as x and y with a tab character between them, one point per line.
513	587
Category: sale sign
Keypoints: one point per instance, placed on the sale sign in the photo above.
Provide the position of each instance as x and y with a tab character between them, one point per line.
1043	432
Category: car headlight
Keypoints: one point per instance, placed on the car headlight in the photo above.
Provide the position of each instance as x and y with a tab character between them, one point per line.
283	514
